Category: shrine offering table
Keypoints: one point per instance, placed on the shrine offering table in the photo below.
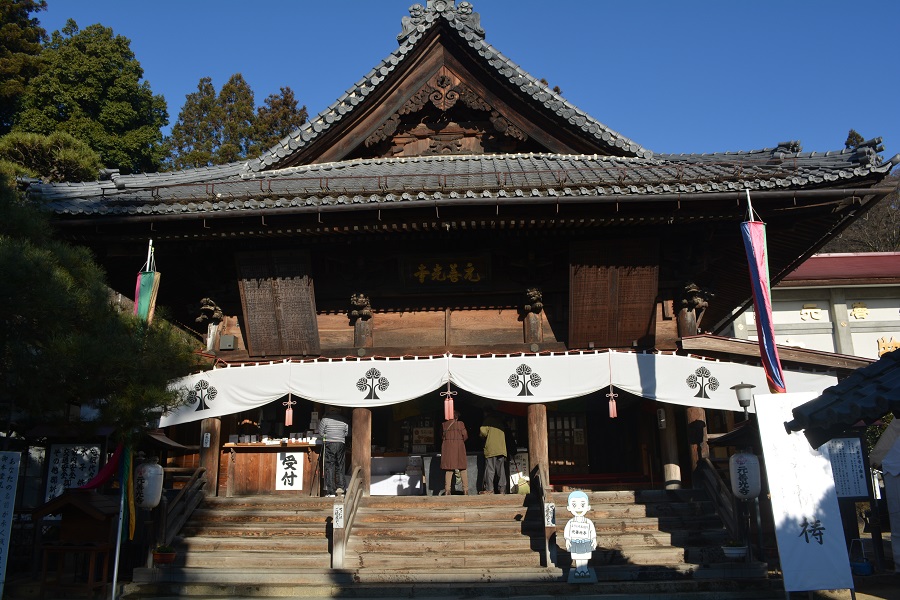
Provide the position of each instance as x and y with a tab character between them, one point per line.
259	468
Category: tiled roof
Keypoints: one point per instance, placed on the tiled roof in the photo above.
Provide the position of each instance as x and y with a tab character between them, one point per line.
516	176
866	395
465	23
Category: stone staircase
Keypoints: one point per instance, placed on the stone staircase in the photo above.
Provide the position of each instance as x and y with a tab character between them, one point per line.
649	541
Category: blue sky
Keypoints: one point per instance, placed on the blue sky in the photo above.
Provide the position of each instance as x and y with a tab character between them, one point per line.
674	76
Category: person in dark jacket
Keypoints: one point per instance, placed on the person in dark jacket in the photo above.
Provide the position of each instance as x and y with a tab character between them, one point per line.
453	453
494	454
334	429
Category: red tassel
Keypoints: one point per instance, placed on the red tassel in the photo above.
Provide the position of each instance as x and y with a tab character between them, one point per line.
448	408
612	409
289	412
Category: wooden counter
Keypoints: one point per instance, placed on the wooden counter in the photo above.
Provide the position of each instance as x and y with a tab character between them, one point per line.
258	468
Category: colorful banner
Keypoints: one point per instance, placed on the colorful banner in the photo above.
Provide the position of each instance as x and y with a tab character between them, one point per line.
145	292
754	234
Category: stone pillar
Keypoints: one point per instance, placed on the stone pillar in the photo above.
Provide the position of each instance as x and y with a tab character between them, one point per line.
361	454
210	433
538	457
668	444
843	338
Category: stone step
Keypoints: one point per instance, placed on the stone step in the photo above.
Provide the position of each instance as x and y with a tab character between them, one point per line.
406	547
257	543
634	496
427	560
254	530
255	560
256	515
270	502
662	555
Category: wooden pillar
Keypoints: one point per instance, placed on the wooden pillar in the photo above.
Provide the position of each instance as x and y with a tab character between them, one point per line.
538	456
696	432
533	328
668	443
361	315
210	448
361	455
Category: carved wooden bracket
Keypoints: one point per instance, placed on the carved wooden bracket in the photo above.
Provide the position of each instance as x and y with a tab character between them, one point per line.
444	90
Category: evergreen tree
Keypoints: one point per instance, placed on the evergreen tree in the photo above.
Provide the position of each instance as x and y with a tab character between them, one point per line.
214	130
54	157
194	136
90	86
63	342
853	140
20	46
276	118
236	118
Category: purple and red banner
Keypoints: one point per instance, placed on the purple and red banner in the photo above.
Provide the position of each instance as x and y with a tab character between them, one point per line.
754	234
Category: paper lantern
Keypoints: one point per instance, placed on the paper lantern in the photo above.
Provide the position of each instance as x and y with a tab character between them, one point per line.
745	478
148	484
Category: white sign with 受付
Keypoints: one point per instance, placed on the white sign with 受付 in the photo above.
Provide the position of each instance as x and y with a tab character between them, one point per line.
289	470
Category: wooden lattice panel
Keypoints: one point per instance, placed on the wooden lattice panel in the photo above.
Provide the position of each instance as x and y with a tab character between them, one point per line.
279	303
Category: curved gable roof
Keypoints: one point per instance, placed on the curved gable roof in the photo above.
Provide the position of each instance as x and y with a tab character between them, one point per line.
458	21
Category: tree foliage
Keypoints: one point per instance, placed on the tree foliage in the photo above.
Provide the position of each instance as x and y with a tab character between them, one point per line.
64	343
878	230
20	46
854	139
55	157
90	86
214	129
276	118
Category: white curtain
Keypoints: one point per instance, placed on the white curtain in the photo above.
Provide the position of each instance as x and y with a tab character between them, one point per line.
529	378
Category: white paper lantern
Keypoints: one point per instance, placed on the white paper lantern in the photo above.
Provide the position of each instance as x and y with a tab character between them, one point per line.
745	479
148	484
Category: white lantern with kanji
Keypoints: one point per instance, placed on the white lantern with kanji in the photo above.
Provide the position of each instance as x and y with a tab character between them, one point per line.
148	484
745	477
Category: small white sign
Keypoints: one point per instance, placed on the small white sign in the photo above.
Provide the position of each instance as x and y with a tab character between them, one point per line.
289	471
848	467
338	516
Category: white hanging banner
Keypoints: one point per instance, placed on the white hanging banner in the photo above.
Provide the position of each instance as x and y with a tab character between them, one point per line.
808	526
529	378
9	481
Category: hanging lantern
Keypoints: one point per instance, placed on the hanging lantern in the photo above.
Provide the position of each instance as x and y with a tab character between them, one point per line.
745	478
148	484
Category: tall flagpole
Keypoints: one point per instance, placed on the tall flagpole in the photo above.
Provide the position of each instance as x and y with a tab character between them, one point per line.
122	489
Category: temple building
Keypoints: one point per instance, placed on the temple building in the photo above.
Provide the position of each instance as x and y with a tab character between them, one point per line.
451	228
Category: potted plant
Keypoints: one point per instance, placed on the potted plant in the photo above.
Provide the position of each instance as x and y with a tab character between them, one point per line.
734	549
163	555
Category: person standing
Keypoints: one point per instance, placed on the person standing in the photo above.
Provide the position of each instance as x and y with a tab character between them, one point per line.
453	453
494	455
334	429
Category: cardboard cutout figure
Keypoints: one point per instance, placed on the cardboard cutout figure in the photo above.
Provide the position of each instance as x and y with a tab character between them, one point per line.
581	537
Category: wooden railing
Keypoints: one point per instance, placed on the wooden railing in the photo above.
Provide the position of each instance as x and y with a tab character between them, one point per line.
173	514
540	488
721	496
343	515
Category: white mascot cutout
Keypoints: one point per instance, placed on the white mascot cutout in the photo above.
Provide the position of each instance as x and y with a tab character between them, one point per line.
581	538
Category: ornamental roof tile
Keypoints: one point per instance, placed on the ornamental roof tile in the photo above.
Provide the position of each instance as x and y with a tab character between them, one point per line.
523	176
